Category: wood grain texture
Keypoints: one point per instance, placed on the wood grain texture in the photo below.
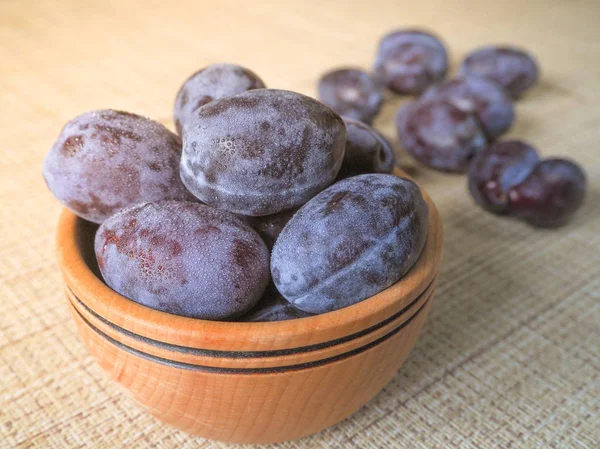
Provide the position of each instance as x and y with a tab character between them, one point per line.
265	382
269	359
510	355
255	407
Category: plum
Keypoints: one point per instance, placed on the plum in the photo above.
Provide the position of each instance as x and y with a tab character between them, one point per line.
494	171
513	68
350	242
482	96
409	61
183	258
367	151
550	195
105	161
270	226
439	134
273	307
210	83
351	92
261	152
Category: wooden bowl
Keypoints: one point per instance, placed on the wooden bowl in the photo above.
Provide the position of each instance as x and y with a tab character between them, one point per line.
247	382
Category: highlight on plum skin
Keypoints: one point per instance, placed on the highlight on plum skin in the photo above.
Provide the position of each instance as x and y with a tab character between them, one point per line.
211	83
104	161
352	93
497	169
409	61
351	241
513	68
440	135
183	258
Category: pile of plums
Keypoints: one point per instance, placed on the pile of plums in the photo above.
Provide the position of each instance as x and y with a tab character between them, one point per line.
267	206
454	124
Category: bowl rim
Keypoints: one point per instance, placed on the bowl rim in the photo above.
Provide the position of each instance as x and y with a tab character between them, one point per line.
198	333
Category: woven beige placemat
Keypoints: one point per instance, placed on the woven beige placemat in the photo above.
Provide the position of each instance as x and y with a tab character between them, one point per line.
511	354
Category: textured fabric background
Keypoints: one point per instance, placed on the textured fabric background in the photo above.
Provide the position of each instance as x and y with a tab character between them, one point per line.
511	354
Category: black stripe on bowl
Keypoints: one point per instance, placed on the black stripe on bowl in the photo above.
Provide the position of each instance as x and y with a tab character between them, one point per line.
279	369
252	354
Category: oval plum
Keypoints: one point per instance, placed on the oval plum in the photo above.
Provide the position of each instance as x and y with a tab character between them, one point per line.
351	92
514	69
440	135
350	242
494	171
367	151
261	152
105	161
481	96
409	61
210	83
550	195
183	258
